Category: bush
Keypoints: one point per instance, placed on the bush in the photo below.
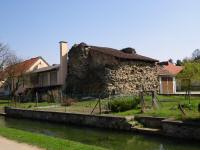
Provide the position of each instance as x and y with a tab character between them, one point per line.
189	106
68	102
123	104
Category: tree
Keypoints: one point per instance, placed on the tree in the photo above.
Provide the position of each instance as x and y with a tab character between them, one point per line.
187	60
4	53
196	54
179	62
171	60
8	69
190	72
13	74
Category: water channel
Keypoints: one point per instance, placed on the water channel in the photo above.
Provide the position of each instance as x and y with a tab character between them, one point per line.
102	138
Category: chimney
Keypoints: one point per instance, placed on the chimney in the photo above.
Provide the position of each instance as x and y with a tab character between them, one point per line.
63	62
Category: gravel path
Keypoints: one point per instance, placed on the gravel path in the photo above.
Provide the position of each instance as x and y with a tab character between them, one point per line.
6	144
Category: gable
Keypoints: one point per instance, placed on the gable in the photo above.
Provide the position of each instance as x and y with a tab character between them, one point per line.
40	63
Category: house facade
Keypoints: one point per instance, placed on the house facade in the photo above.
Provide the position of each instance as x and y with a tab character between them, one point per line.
16	77
36	76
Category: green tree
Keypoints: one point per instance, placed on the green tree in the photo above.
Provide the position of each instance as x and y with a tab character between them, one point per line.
196	54
179	62
190	72
171	60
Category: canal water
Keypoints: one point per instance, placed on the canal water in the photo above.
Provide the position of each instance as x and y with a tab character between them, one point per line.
102	138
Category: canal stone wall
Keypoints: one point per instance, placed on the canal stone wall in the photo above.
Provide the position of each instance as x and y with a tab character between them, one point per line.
172	128
100	121
150	122
167	127
179	129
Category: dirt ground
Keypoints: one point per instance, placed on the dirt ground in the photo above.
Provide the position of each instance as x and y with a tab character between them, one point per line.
6	144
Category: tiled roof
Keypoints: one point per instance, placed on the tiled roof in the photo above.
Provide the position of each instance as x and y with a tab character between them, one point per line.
167	68
22	67
119	53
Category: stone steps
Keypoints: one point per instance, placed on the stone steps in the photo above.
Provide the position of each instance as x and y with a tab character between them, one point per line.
147	130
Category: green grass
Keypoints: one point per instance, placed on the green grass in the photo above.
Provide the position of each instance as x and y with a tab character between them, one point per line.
168	107
83	106
43	141
4	103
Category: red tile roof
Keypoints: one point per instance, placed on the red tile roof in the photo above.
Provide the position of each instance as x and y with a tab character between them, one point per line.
167	68
21	67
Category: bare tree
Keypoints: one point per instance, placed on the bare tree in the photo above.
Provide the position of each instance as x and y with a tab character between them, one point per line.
4	53
9	70
13	74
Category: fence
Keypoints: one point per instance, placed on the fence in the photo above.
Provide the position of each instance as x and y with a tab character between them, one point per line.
72	103
146	102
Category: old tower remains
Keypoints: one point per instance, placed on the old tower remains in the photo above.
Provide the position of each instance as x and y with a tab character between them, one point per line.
95	71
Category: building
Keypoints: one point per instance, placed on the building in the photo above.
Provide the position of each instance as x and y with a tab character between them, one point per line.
104	71
36	76
13	76
48	82
167	77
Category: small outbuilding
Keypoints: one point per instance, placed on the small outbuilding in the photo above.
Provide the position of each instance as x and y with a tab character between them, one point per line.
167	77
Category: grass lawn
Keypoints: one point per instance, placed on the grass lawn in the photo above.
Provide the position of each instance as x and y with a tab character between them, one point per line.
168	107
43	141
4	103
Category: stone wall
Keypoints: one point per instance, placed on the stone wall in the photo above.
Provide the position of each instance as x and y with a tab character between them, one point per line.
179	129
95	73
131	77
100	121
150	122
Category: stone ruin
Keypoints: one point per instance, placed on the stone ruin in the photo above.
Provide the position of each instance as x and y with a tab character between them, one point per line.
97	71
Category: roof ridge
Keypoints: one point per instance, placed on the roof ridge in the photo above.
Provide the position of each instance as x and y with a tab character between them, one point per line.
118	53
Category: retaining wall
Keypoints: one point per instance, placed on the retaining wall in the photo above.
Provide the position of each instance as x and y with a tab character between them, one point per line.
172	128
100	121
177	129
150	122
180	129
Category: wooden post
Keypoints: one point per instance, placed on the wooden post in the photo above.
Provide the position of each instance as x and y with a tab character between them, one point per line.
182	110
61	96
14	99
152	96
142	102
37	98
99	105
154	100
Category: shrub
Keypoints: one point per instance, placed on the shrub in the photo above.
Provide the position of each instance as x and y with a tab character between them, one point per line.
188	106
68	102
123	104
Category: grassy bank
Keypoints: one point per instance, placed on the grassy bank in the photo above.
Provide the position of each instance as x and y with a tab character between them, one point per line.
168	107
43	141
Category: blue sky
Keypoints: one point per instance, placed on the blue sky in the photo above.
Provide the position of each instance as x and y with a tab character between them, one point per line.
161	29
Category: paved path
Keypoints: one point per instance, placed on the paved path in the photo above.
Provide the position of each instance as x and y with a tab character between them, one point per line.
6	144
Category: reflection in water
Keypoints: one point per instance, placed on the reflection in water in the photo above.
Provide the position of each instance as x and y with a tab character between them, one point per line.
102	138
161	147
